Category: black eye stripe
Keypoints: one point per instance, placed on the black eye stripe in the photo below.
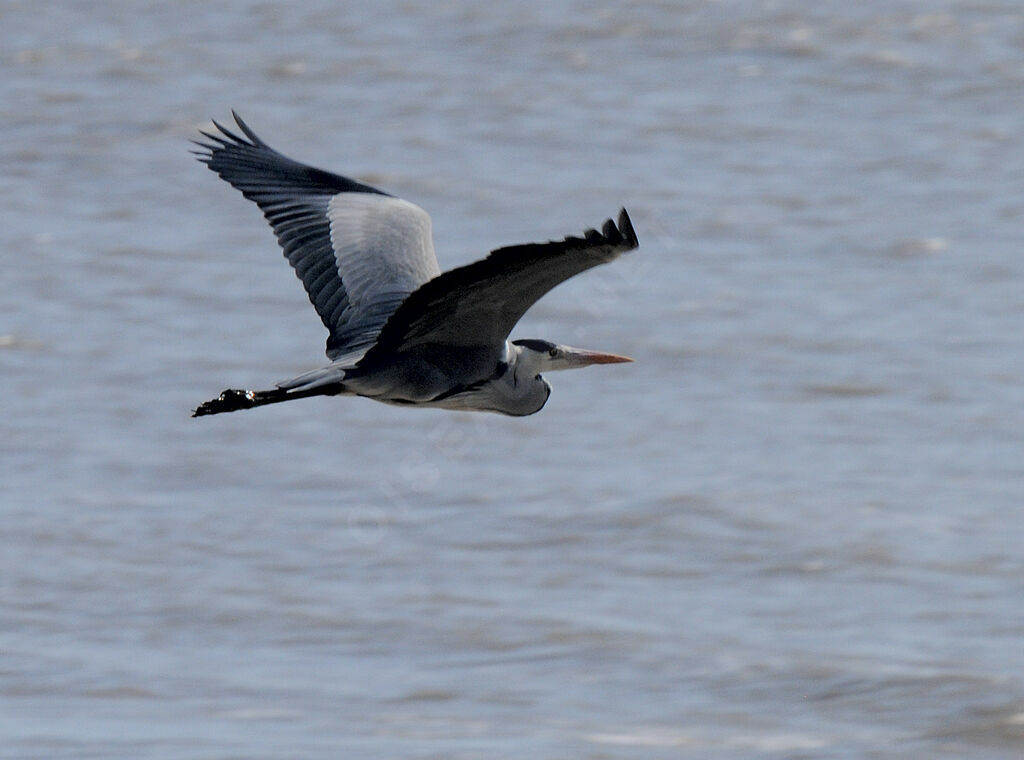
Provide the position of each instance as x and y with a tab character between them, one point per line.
534	344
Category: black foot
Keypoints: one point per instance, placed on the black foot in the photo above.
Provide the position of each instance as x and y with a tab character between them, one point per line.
230	400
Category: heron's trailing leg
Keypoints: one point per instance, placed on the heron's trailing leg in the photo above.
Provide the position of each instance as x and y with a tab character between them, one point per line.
234	399
231	400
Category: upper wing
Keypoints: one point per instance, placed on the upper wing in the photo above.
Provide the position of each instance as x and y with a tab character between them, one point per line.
479	304
358	251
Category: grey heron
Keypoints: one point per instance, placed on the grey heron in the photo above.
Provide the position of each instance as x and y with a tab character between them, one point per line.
400	331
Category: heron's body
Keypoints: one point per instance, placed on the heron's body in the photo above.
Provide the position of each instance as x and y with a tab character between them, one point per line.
400	331
422	377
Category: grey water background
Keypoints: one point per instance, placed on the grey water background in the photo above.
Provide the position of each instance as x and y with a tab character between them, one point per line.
791	530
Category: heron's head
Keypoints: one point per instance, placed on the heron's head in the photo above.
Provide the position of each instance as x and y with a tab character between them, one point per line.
546	356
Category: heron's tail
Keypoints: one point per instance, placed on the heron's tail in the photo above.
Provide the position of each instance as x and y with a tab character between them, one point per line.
234	399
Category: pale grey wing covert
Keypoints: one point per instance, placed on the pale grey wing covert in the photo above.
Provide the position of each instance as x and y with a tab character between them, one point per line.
479	304
357	250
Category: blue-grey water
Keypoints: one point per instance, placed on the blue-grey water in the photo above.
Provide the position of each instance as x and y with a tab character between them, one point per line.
792	529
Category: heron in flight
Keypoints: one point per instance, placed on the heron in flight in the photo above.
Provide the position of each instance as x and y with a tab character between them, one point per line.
400	331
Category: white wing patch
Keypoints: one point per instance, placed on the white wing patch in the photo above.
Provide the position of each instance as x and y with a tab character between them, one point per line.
383	246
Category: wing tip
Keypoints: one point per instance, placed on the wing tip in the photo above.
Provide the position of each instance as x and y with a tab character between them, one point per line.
626	229
621	236
225	139
247	131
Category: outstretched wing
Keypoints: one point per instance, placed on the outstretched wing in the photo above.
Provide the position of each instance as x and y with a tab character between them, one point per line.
358	251
479	304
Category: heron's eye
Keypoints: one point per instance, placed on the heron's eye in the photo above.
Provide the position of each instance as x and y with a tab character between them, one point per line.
553	353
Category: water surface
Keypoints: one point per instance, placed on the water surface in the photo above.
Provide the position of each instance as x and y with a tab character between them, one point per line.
791	529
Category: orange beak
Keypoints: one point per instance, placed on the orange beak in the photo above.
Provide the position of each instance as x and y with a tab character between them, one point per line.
578	357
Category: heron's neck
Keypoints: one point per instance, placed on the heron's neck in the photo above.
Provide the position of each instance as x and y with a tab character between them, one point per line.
524	364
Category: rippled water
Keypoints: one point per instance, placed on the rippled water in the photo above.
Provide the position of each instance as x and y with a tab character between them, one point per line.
791	529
